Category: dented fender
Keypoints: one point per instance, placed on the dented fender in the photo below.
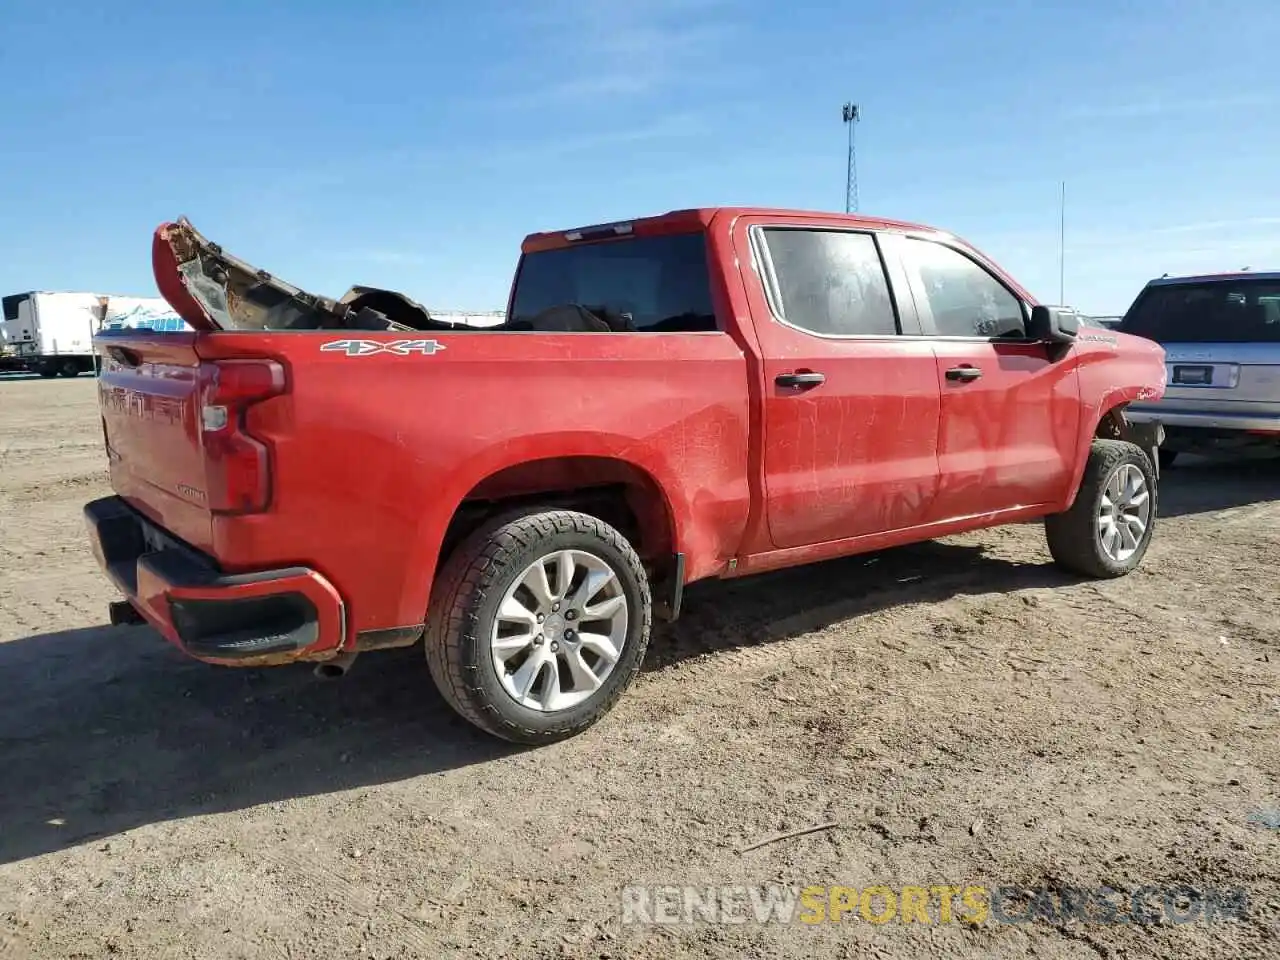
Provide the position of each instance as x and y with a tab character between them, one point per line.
1128	370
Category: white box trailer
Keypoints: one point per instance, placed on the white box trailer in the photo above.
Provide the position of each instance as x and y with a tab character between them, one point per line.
52	333
472	318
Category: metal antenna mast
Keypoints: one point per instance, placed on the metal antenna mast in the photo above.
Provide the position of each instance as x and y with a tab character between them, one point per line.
1062	245
851	118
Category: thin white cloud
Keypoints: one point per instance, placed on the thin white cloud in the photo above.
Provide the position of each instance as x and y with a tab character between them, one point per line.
1173	240
1166	106
673	127
385	257
587	51
1210	226
1105	268
555	143
1216	234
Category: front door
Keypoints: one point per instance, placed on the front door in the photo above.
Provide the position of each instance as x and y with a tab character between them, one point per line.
850	405
1010	410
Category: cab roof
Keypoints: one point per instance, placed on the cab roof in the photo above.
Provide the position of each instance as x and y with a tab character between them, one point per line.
1211	277
699	218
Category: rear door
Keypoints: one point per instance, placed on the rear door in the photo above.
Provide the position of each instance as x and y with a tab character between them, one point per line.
1010	410
850	405
1222	342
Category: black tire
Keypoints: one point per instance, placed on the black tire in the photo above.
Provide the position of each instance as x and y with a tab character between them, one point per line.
69	368
1074	539
47	372
465	601
1167	457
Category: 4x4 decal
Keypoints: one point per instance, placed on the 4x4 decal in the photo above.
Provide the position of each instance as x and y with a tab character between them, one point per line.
397	348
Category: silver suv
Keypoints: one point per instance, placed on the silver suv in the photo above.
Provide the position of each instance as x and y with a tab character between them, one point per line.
1221	335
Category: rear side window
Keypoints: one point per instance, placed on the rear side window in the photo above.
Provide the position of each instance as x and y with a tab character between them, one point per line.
830	282
642	284
964	298
1210	311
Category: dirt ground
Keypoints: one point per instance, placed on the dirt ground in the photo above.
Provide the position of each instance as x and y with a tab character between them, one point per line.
964	714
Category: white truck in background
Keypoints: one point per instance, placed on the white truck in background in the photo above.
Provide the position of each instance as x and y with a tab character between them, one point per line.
52	333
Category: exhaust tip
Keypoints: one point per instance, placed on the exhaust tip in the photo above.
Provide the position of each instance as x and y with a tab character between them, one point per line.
336	668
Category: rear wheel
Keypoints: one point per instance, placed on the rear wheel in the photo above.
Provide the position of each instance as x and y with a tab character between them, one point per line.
69	368
1107	530
538	624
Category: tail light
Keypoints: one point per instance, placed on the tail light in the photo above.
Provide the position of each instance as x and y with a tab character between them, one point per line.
237	464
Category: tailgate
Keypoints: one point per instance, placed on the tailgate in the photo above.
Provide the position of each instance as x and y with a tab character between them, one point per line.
149	396
180	448
1239	377
178	427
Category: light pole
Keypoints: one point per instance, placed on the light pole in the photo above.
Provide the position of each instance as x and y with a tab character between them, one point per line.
851	118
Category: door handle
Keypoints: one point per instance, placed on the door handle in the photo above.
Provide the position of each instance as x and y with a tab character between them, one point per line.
801	381
964	374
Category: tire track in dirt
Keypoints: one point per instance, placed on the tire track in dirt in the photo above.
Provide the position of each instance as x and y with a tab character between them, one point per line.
354	895
714	642
81	487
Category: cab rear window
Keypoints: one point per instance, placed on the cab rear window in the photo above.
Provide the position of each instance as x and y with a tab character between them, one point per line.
1208	311
641	284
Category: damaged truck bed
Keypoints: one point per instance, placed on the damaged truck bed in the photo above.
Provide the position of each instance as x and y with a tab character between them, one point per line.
229	294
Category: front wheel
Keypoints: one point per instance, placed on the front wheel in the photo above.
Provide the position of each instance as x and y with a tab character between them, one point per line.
1108	528
538	624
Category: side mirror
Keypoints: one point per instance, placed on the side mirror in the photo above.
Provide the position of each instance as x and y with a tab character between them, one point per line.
1053	324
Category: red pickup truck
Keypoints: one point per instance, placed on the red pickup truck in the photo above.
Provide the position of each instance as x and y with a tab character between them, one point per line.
705	393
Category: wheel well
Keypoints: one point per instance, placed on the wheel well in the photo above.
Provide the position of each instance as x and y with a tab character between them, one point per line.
619	493
1111	426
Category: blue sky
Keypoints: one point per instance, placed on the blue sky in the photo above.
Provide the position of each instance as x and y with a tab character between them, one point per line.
412	145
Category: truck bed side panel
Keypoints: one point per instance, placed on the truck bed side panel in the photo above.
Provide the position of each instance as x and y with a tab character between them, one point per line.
374	447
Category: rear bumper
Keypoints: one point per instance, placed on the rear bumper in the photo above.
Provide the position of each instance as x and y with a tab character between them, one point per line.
1216	420
244	619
